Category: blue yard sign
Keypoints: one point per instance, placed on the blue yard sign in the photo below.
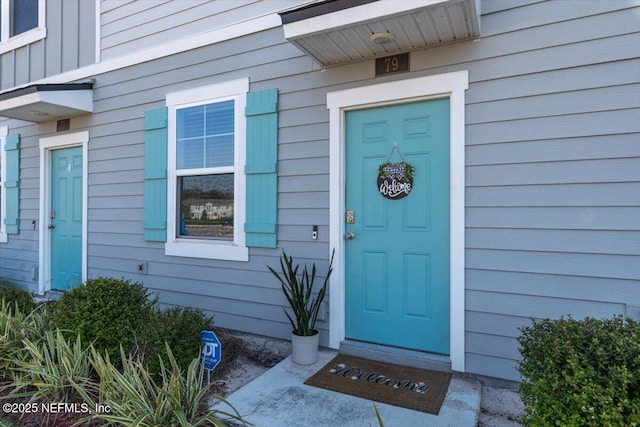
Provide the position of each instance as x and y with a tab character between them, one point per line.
211	350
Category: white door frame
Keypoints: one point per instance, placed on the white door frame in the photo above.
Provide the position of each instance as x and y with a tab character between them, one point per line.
450	85
47	145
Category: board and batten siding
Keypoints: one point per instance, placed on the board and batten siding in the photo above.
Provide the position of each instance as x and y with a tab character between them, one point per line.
69	44
552	170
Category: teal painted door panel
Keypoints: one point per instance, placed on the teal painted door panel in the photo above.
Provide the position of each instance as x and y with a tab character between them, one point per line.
397	265
66	216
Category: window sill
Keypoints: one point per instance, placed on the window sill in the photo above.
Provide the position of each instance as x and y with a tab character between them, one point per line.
23	39
206	250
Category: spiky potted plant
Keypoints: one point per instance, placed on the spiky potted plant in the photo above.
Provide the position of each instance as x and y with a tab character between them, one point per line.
298	289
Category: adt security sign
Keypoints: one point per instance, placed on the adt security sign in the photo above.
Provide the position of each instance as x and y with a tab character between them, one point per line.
211	350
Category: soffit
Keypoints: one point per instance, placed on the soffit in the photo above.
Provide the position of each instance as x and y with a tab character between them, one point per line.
45	102
338	31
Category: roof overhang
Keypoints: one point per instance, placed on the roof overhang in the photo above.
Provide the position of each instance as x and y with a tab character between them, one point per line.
46	102
339	31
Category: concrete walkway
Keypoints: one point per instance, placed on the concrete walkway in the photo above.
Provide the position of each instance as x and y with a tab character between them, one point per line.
278	398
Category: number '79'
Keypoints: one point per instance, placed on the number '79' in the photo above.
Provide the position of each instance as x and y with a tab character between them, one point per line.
391	64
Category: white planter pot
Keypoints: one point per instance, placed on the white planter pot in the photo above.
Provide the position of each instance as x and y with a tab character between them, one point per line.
304	350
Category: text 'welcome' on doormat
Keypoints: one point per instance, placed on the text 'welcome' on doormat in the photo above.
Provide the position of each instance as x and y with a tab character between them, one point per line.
412	388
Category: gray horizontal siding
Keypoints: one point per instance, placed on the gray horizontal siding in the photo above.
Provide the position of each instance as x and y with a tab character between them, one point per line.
511	304
530	170
561	263
131	26
578	148
534	17
569	218
553	173
567	241
557	80
552	165
561	287
581	194
569	126
556	172
492	6
498	367
556	104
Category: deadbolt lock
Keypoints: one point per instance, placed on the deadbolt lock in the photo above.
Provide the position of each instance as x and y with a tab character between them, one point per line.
351	217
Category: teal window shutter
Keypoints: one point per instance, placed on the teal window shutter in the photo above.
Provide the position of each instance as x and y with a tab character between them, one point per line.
261	169
12	183
155	175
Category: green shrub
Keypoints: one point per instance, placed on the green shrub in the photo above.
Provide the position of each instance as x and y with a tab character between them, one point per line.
135	397
180	328
10	293
107	312
581	373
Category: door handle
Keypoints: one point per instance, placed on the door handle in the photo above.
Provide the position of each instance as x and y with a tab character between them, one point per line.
51	226
350	236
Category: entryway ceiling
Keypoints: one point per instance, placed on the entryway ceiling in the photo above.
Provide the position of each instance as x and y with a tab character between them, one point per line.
46	102
340	31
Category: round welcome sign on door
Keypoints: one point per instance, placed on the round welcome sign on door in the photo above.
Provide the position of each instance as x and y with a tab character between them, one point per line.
395	180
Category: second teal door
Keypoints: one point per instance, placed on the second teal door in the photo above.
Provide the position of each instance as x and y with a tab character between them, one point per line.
397	250
65	218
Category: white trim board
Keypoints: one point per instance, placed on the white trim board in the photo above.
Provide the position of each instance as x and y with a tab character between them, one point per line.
46	146
450	85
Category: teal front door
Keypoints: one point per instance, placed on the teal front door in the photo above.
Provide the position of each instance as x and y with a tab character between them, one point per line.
397	250
65	218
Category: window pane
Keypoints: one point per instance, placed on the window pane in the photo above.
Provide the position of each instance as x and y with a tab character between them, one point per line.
206	206
190	122
219	151
190	154
204	136
25	15
220	118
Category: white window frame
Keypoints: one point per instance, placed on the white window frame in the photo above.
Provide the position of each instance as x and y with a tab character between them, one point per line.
8	42
4	131
235	250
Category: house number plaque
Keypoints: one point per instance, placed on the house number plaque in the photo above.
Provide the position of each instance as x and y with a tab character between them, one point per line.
392	64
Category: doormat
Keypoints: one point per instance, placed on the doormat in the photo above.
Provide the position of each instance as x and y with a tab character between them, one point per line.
412	388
